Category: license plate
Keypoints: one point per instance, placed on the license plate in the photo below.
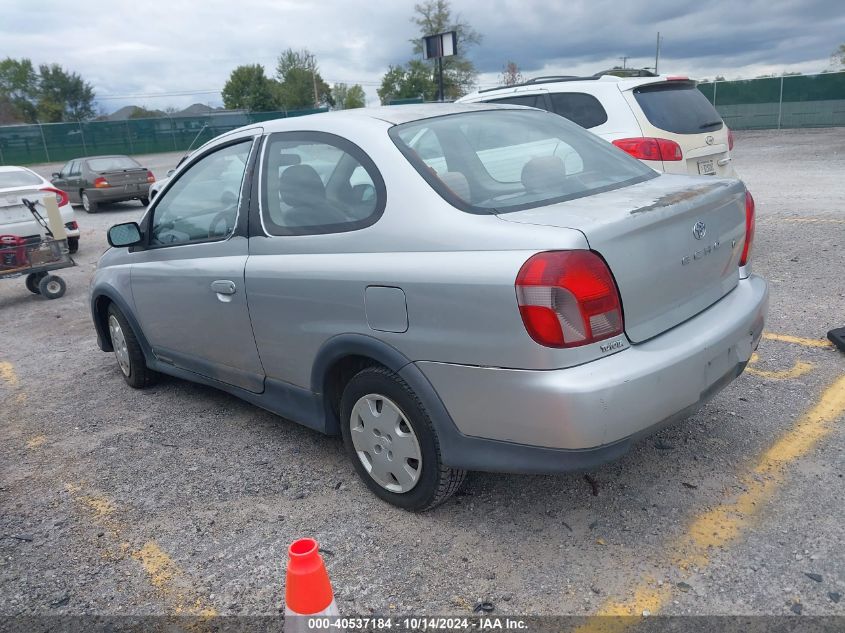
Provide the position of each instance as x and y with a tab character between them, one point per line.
706	168
129	188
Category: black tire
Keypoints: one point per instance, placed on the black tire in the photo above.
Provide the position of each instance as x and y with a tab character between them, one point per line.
51	286
73	244
32	280
436	482
145	201
138	375
89	205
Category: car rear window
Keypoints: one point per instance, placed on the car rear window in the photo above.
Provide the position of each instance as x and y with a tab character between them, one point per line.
18	179
578	107
497	161
112	163
678	107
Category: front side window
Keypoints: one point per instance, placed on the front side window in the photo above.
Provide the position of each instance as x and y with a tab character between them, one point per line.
498	161
203	203
318	183
580	108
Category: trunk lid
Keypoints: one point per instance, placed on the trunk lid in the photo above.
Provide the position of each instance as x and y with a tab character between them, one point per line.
117	177
13	210
667	271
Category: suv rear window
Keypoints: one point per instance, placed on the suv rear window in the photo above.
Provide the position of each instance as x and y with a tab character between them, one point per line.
578	107
678	107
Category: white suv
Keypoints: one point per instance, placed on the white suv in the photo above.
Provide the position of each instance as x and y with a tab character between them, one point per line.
662	120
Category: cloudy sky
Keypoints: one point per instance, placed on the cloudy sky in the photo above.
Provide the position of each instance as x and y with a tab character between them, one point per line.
157	54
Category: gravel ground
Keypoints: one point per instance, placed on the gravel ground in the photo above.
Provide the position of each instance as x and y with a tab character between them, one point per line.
182	499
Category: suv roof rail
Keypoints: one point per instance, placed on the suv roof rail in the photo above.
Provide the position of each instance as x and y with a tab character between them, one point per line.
544	80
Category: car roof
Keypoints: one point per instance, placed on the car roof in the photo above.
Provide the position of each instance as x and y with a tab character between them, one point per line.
571	84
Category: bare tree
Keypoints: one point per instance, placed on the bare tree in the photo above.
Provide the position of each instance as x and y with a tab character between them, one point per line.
511	75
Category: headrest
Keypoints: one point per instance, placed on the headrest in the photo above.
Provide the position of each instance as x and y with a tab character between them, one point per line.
457	182
543	173
300	185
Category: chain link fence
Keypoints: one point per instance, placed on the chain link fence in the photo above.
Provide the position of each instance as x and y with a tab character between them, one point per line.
58	142
791	101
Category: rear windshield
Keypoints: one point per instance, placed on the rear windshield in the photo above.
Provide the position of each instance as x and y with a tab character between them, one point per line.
18	179
678	107
497	161
112	163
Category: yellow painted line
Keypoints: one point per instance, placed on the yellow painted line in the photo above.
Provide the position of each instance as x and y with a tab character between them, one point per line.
8	375
806	342
718	527
799	368
36	441
162	571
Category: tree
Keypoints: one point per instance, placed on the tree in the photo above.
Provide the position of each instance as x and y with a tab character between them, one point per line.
248	88
300	83
459	73
18	90
63	96
838	56
407	82
348	97
511	75
143	113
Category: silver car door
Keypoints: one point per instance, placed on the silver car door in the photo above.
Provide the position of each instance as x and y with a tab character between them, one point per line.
188	279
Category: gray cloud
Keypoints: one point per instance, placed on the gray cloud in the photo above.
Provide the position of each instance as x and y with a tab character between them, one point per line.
171	47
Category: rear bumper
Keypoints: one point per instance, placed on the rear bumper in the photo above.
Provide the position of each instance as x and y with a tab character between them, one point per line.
549	421
118	193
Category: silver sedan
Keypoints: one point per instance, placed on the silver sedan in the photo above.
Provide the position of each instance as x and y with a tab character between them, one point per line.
447	287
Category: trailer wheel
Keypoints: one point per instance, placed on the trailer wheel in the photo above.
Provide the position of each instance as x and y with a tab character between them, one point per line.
32	280
52	286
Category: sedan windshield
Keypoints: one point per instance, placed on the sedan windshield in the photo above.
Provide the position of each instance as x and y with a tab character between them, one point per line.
496	161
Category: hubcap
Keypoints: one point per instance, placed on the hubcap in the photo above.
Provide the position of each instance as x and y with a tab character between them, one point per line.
385	443
85	204
118	342
53	287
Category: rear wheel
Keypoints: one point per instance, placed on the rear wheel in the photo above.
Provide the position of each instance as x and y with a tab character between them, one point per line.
52	286
128	352
73	244
145	201
32	280
89	205
392	442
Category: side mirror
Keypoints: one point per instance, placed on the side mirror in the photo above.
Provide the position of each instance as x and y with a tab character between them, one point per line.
170	172
56	174
127	234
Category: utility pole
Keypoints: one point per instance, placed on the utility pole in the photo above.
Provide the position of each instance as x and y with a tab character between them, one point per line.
624	59
657	55
314	81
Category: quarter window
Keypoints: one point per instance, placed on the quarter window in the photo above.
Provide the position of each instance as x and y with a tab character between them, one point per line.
318	183
203	203
533	101
580	108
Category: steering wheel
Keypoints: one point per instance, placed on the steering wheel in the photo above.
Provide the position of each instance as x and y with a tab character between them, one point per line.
224	217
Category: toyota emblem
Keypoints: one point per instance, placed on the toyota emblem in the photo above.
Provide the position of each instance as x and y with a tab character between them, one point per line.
699	230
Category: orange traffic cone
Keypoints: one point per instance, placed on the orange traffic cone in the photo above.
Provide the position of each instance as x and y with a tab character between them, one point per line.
308	591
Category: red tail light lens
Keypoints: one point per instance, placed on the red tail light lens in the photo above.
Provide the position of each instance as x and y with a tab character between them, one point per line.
749	229
61	196
648	148
101	183
568	298
150	177
730	139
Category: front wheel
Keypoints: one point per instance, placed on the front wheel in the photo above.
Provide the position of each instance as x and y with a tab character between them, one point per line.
128	352
394	448
145	201
89	205
32	280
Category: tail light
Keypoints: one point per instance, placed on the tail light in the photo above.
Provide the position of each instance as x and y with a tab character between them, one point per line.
72	226
101	183
568	298
730	139
648	148
61	196
749	229
150	178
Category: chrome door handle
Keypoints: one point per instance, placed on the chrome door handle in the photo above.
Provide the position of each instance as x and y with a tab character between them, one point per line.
223	287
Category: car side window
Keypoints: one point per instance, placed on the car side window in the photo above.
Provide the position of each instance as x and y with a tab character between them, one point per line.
533	101
318	183
580	108
203	203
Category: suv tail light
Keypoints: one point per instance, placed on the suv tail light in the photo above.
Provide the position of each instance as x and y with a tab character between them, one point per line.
749	229
568	298
730	139
649	148
150	177
101	183
61	196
